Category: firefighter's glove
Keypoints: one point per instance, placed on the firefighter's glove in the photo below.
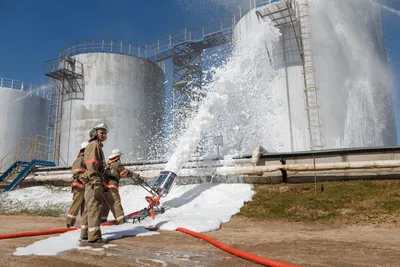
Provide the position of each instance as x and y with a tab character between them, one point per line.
97	191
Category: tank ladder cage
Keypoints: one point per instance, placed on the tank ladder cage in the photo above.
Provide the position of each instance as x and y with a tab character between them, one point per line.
312	101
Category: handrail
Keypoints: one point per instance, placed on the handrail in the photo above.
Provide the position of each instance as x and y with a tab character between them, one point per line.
102	45
28	149
2	159
22	86
151	48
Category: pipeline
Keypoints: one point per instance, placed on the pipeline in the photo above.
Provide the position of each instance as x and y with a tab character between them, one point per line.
236	252
243	170
378	164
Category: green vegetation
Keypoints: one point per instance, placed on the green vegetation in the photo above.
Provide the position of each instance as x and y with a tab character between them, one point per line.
48	212
350	201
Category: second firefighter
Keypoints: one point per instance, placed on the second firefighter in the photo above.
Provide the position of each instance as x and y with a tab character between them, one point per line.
111	199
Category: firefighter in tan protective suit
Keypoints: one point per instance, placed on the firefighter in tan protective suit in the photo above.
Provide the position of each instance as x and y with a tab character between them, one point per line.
78	189
94	161
111	199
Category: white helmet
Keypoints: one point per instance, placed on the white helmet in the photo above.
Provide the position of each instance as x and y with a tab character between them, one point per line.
114	153
97	126
84	145
101	125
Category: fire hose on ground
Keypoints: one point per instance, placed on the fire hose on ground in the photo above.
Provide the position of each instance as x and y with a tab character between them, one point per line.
162	186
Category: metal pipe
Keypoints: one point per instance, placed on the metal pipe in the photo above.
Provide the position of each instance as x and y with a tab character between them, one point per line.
310	167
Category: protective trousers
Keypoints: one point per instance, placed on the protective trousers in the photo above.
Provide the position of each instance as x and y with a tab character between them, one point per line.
78	203
112	201
91	218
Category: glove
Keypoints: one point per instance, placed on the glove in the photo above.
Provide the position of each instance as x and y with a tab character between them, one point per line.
97	191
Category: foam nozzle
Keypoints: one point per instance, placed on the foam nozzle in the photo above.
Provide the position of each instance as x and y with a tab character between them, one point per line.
164	182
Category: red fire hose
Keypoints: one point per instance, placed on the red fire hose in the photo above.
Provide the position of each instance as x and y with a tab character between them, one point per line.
236	252
35	233
50	231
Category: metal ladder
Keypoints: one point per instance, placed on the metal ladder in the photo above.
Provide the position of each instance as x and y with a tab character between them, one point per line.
313	104
52	121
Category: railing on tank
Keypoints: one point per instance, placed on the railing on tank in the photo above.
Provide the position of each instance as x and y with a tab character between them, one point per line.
24	87
105	46
259	3
27	150
167	42
150	49
68	65
220	27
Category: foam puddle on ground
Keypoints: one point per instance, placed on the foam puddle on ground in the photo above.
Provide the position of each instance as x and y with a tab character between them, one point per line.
198	207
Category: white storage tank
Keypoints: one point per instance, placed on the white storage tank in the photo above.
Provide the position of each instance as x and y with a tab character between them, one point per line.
121	90
23	113
339	45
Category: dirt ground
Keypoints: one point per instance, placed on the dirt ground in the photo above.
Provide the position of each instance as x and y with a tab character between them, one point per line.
296	243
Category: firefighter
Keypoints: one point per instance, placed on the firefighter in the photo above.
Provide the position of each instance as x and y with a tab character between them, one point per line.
77	187
112	200
94	162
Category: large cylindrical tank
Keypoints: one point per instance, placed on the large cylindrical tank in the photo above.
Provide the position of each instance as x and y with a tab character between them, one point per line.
344	43
123	91
23	113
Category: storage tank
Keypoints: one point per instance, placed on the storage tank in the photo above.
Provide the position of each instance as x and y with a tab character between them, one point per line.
331	69
121	90
23	113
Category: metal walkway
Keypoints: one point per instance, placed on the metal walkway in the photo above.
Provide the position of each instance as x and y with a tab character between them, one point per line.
206	36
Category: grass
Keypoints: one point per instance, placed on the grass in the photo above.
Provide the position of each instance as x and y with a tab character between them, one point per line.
350	201
47	212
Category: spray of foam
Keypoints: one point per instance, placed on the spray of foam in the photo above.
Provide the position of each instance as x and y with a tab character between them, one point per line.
353	76
229	88
205	7
246	103
394	11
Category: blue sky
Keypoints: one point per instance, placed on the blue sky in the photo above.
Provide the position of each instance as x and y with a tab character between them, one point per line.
34	31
